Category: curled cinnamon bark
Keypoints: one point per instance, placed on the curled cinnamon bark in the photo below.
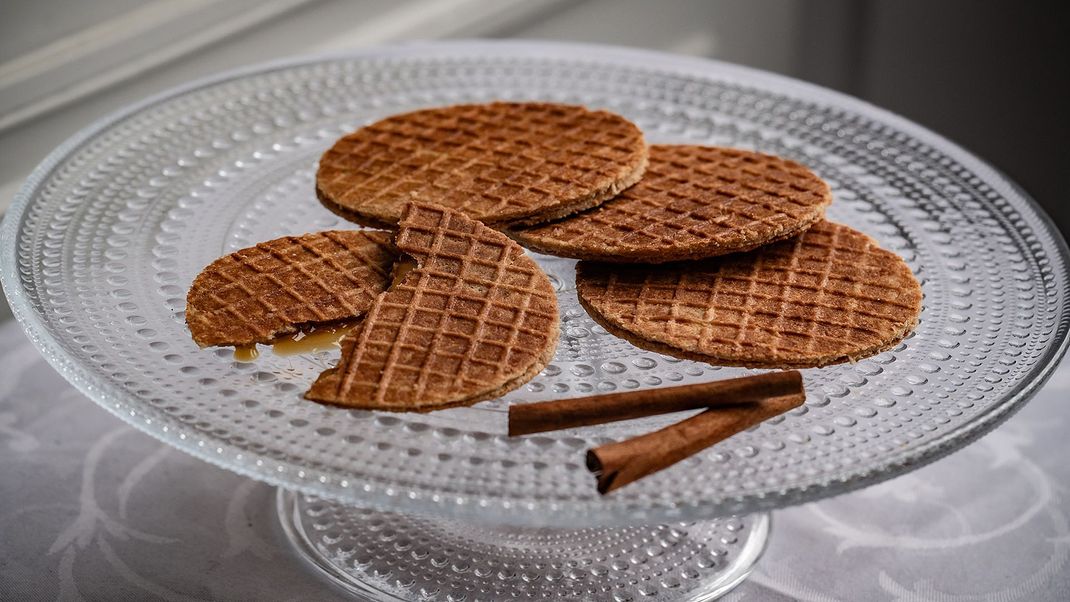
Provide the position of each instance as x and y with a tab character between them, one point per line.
623	462
598	409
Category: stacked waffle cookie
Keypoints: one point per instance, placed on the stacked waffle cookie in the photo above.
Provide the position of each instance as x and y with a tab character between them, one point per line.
724	256
447	311
716	254
499	163
825	296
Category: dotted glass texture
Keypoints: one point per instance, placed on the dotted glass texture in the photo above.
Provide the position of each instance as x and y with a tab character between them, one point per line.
389	556
107	235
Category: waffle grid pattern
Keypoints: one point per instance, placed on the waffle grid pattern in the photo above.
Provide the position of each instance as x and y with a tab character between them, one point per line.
475	316
494	162
693	202
826	296
260	293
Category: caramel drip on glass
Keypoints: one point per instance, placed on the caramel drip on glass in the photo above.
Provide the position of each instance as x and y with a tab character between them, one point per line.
322	338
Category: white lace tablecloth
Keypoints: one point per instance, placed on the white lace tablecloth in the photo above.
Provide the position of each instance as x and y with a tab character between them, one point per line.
91	509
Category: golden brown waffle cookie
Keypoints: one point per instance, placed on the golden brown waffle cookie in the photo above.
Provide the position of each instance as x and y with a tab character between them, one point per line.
498	162
828	296
258	294
693	202
475	319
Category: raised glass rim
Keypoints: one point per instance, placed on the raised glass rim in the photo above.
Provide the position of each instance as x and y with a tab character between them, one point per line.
506	511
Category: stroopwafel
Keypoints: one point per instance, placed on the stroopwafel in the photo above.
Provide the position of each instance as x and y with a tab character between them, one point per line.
498	162
827	296
692	202
261	293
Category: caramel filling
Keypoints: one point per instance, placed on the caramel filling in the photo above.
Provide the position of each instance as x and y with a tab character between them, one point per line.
246	353
321	338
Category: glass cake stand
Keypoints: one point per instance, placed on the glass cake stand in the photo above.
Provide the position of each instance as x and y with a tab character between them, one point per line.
107	234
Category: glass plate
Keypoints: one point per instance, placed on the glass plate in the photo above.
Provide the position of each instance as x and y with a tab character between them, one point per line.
108	233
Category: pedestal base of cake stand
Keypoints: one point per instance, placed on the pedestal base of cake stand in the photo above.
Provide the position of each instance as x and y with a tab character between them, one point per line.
385	556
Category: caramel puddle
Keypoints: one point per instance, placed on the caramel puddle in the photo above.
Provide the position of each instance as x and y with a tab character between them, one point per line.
246	353
321	338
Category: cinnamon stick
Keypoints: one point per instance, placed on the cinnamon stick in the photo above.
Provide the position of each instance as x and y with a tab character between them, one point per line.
617	464
598	409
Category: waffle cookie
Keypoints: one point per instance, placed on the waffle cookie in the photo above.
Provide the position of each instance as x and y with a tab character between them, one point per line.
693	202
261	293
498	162
827	296
473	320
